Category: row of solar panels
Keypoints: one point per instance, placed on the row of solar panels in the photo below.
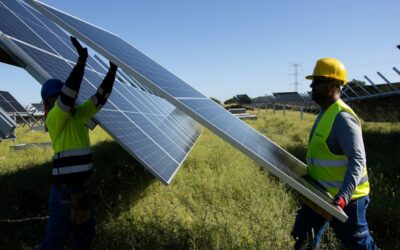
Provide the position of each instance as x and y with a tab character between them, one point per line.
373	103
10	105
12	112
159	132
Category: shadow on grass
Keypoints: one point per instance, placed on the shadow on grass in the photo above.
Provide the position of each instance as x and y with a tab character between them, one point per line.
299	151
383	161
118	180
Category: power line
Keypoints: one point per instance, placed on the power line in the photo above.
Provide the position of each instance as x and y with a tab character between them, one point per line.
295	74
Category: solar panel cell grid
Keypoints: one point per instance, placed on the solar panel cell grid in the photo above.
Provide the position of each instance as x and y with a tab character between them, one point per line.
137	119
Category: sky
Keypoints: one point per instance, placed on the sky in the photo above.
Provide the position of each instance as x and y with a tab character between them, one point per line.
228	47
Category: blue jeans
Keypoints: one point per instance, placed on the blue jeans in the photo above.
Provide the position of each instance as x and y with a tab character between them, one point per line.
354	233
59	226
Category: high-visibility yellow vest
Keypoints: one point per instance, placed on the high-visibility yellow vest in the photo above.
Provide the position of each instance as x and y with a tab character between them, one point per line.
326	168
70	137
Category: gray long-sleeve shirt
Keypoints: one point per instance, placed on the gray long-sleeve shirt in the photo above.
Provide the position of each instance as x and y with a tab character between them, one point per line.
346	139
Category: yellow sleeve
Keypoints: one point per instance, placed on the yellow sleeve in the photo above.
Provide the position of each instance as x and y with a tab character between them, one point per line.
86	111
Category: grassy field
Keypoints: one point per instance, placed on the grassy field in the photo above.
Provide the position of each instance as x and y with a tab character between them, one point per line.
220	199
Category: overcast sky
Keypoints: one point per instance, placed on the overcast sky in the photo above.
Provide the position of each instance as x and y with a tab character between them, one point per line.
228	47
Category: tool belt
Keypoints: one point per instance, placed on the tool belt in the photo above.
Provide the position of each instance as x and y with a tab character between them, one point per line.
81	209
81	204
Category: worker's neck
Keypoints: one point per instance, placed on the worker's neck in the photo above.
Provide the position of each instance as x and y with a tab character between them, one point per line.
325	104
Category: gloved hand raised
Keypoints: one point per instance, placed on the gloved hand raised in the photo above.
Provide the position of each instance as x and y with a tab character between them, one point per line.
113	67
82	52
108	82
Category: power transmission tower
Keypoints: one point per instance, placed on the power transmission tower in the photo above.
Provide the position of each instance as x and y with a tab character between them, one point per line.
296	75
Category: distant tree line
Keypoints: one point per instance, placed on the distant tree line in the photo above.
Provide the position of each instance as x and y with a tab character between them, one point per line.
244	99
216	100
239	99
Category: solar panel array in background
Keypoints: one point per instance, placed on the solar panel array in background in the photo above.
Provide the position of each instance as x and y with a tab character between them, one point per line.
154	131
9	104
38	106
7	125
374	103
195	104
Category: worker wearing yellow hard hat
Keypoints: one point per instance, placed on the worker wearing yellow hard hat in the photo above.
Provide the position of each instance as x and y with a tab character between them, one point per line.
336	161
329	68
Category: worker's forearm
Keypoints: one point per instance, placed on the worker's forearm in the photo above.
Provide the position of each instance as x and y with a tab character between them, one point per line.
352	178
350	139
104	90
70	90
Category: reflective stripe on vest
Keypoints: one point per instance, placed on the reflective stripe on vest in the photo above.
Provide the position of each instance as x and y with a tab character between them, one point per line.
74	152
338	184
72	161
326	168
72	169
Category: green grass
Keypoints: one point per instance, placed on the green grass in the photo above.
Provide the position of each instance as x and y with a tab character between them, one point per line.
219	199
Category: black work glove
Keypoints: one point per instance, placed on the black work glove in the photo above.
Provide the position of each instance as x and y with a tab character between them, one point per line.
82	52
113	67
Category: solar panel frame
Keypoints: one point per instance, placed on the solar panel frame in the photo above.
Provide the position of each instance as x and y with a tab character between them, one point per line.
165	83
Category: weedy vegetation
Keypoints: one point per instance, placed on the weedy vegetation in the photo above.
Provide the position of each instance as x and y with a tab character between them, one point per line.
220	199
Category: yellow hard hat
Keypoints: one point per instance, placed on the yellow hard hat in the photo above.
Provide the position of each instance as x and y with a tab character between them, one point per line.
331	68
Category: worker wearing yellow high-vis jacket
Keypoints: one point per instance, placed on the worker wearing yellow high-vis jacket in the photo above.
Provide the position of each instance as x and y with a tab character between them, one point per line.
336	161
69	201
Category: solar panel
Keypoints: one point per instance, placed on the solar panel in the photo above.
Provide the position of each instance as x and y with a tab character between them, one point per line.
378	109
375	102
38	106
9	104
189	100
7	125
155	132
125	77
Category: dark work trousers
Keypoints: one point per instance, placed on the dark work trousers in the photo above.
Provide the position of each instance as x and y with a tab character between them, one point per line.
59	226
354	233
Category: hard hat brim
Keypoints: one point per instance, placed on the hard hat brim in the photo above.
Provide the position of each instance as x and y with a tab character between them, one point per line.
310	77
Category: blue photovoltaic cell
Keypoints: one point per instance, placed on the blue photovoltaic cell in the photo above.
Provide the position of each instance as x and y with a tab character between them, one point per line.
154	131
186	98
